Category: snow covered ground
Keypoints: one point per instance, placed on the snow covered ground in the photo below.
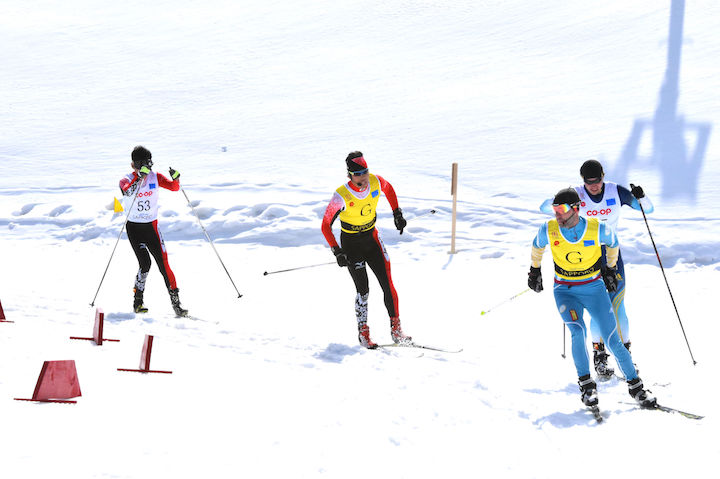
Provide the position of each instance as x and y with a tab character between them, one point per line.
257	104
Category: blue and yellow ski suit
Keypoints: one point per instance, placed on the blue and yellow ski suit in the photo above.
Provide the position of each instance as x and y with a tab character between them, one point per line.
578	286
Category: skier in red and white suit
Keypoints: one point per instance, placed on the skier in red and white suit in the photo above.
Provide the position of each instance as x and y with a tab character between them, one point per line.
355	203
142	229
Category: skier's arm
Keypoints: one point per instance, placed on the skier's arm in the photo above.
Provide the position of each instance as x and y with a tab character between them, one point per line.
609	239
331	212
389	192
172	185
627	198
546	206
129	184
538	246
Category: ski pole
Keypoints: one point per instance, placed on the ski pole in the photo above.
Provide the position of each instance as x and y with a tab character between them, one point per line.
295	269
127	216
506	301
657	255
563	353
211	242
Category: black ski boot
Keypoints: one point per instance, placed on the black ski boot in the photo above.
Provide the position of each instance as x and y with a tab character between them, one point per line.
175	300
600	358
644	398
588	391
138	305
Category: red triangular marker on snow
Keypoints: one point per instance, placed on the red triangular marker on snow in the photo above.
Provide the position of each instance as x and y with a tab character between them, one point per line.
145	358
98	329
2	315
58	382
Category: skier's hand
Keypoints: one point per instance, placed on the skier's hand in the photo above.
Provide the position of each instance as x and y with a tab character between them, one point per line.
400	222
174	175
535	279
340	256
143	172
610	277
637	191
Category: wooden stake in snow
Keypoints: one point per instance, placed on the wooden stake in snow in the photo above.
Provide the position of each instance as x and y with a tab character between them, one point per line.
453	192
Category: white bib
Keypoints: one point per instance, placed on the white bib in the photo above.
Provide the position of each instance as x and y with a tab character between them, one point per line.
607	210
145	208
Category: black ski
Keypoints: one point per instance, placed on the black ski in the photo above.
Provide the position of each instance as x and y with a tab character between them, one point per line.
410	344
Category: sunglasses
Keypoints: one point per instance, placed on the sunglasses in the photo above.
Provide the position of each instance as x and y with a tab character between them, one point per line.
592	181
358	173
562	208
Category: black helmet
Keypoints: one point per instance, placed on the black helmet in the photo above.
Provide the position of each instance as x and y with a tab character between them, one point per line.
141	156
567	196
591	169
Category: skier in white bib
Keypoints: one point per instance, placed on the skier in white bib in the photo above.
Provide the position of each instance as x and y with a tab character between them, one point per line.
142	226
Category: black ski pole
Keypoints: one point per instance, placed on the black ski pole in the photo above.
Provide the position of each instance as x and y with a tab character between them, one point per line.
295	269
657	255
127	216
563	354
211	242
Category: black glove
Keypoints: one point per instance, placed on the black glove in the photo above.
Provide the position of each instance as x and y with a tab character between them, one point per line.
340	256
637	191
400	222
174	175
610	277
535	279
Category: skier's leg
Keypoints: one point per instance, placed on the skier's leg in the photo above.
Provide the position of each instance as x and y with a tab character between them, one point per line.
571	309
600	307
358	273
618	302
156	246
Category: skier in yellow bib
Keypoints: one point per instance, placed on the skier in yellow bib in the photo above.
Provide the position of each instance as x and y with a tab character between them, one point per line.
582	282
355	203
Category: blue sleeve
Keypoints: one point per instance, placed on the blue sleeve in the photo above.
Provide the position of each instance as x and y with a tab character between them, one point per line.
626	198
541	239
546	206
608	236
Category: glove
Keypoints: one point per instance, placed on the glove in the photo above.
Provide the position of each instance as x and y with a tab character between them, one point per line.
637	191
174	174
609	275
400	222
340	256
535	279
143	172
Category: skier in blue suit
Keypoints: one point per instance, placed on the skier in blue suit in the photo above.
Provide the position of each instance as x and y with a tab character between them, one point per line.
575	243
603	200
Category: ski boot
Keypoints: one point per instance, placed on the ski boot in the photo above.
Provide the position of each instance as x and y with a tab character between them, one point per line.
588	391
138	305
396	332
175	300
644	397
600	358
364	336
